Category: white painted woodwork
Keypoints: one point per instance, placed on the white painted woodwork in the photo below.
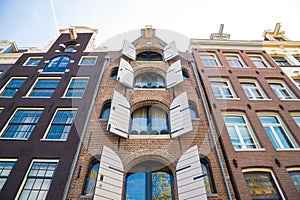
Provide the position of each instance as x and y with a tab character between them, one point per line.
174	74
170	51
125	73
129	50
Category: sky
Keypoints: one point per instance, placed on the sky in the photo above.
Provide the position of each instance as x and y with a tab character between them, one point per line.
34	23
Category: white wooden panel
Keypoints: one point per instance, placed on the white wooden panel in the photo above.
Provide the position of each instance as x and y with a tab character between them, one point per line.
180	117
110	176
174	74
129	50
118	121
125	73
170	51
189	175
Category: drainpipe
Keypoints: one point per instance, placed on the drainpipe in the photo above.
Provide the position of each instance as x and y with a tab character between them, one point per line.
106	63
191	61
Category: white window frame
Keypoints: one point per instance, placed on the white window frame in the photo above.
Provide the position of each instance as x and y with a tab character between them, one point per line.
210	54
68	87
284	87
238	59
28	170
272	175
247	125
262	59
8	160
36	81
50	124
282	125
250	88
8	82
295	114
283	57
229	87
8	122
84	57
34	57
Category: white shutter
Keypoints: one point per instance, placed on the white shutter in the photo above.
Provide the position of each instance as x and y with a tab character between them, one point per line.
129	50
118	121
190	181
170	51
125	73
174	74
110	176
180	117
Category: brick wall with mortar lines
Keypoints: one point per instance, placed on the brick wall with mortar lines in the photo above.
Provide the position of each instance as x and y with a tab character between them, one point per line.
133	151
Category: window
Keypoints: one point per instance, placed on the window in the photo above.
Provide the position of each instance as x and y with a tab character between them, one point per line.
91	179
88	60
281	61
114	73
240	131
149	80
44	87
259	61
252	89
58	64
297	82
149	56
33	61
277	132
70	48
105	111
12	87
209	60
149	120
193	111
1	109
76	87
208	180
5	168
151	181
38	180
61	124
281	90
234	60
296	117
22	123
295	176
222	89
261	185
298	58
185	74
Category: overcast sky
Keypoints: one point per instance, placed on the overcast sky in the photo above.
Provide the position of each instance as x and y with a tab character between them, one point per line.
33	23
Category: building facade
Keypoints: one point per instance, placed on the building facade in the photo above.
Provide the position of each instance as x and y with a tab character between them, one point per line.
45	99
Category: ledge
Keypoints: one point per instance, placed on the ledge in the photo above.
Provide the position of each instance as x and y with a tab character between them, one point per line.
250	150
168	136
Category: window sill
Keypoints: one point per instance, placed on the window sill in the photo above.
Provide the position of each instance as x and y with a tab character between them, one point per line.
292	149
20	139
86	197
71	97
150	89
1	97
53	140
231	99
149	136
35	97
260	99
213	66
289	99
246	150
212	195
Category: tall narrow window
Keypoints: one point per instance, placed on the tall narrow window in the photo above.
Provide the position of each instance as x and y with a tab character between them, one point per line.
76	87
208	180
12	87
222	89
61	124
193	110
281	90
22	123
259	61
277	132
261	185
240	132
5	168
295	176
58	64
252	89
105	111
209	60
234	60
91	179
44	88
114	73
185	74
38	180
281	61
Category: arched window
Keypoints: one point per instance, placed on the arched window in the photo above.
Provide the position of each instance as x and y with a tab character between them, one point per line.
149	120
149	80
58	64
114	73
149	56
185	74
193	111
208	180
150	180
105	111
91	179
70	48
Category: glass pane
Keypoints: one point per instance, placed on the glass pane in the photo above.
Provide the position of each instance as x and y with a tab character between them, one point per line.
139	120
158	120
295	176
227	93
207	178
9	92
88	61
268	120
283	137
297	120
46	84
248	140
234	120
91	180
136	186
272	137
161	186
234	137
105	112
217	93
2	181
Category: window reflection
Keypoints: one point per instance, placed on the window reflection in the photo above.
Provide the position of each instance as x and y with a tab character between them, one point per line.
149	80
91	179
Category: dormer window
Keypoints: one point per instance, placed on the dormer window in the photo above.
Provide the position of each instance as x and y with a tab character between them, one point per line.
149	56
